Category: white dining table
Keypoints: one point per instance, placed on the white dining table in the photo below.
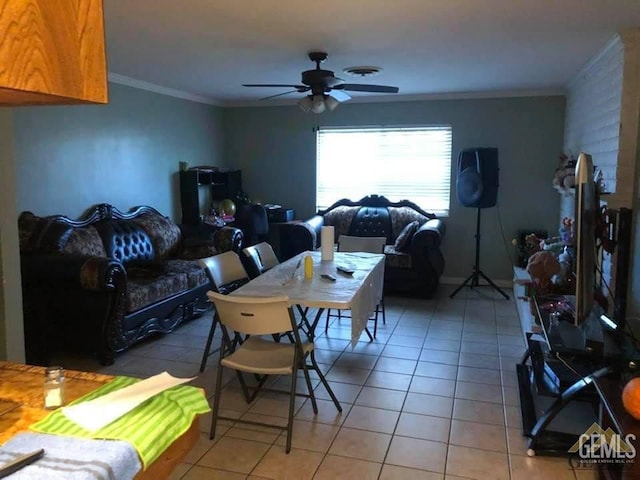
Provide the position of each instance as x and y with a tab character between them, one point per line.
359	292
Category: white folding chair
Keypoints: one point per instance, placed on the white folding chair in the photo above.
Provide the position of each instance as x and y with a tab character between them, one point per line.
261	257
256	316
226	273
347	243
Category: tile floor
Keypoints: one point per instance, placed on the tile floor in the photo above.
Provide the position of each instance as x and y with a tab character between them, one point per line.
434	397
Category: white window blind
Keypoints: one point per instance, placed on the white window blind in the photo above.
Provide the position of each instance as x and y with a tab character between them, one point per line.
412	163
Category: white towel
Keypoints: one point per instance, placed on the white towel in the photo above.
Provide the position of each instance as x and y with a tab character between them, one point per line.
69	458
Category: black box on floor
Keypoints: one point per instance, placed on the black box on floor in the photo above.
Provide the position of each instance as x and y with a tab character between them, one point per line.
275	215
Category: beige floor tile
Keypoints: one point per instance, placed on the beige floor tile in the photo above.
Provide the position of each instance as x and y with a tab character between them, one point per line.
326	356
203	445
415	453
327	412
439	356
407	353
393	472
444	335
411	331
296	465
316	437
513	416
477	360
510	340
204	473
441	344
479	375
405	340
381	398
356	360
437	370
372	419
424	427
540	468
479	391
396	365
361	444
274	404
351	375
481	412
478	435
434	405
479	348
344	392
491	338
333	467
516	442
511	396
249	432
180	471
234	455
433	386
393	381
477	464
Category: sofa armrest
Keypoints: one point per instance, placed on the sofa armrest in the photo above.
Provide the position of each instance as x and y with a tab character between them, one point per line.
297	237
206	240
426	255
430	234
72	271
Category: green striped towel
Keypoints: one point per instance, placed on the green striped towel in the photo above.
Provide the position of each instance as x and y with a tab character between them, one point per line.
150	427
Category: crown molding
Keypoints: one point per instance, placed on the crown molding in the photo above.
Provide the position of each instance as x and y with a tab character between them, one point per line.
412	98
152	87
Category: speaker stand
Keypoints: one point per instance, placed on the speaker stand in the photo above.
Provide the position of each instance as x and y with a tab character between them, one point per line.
473	279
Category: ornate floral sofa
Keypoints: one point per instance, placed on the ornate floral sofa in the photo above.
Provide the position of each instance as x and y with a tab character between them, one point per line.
414	261
110	279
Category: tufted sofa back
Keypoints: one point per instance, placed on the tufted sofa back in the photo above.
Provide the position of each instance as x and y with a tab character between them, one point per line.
125	241
372	222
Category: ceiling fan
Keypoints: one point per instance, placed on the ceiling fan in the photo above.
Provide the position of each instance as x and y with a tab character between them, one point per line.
327	90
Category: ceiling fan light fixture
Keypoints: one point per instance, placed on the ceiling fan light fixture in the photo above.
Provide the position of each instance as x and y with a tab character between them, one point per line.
331	102
306	103
319	105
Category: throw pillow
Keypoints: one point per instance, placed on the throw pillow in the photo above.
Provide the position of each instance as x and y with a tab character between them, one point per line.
404	239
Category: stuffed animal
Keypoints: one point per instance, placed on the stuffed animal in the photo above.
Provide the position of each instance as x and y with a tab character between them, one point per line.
542	267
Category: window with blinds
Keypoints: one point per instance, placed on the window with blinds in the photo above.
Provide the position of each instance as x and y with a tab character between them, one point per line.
412	163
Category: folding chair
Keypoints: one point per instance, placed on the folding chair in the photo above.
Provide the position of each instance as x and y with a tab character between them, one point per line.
226	273
256	316
348	243
260	258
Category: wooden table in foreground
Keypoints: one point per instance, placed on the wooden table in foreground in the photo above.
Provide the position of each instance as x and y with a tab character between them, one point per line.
21	404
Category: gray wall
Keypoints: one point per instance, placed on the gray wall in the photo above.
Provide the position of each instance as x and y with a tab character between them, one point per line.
125	153
65	159
275	148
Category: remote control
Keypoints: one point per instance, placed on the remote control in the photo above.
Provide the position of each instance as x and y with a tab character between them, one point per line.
345	270
328	277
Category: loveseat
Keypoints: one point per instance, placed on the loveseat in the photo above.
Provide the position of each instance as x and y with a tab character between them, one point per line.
413	261
111	279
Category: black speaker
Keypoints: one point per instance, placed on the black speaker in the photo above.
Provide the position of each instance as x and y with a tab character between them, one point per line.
477	180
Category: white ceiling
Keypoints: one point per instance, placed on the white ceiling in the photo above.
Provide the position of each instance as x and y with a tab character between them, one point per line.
209	48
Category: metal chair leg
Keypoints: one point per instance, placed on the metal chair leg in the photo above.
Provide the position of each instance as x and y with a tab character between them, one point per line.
307	378
207	347
292	403
324	382
216	398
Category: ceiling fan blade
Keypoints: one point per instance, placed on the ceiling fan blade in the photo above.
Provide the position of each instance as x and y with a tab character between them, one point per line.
298	87
359	87
340	95
279	94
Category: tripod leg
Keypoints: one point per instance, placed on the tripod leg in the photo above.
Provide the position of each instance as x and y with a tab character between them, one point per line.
493	284
464	284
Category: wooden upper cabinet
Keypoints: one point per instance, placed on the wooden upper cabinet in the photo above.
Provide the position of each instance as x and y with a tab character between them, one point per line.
52	52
